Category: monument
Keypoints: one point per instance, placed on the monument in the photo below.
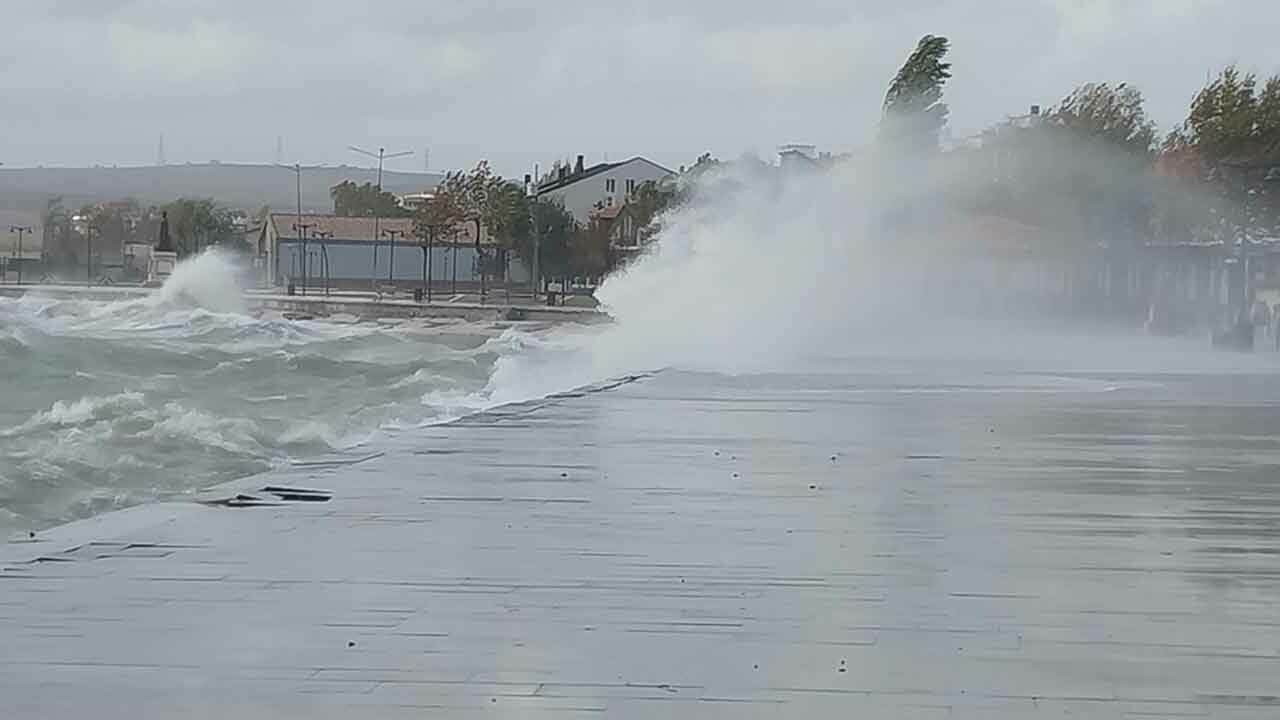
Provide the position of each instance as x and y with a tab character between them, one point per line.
163	258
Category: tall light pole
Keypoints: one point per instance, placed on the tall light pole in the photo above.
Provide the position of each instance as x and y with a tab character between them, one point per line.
302	229
391	260
381	155
296	169
324	236
20	229
88	261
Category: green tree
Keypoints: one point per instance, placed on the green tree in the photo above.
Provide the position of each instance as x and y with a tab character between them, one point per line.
58	241
1230	119
913	111
1112	115
555	228
195	224
367	200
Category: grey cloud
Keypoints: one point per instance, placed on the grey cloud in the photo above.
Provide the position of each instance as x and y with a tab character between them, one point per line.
518	82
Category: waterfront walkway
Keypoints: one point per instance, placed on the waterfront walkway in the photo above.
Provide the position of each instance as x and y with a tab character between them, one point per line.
696	546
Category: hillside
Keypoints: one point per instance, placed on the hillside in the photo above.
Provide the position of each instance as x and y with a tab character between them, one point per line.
238	186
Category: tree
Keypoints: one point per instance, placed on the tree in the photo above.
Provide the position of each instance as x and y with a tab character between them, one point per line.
913	111
367	200
1113	116
591	249
58	242
1230	119
555	228
196	224
1228	146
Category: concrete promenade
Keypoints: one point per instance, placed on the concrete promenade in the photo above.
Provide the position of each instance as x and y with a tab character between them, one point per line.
698	546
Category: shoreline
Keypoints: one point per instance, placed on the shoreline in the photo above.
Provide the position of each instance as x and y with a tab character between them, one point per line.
363	306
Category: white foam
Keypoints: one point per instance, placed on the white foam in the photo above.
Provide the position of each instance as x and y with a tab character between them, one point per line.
211	280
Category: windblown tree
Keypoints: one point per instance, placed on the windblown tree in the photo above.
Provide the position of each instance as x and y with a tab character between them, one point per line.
555	229
196	224
913	112
1081	169
59	246
1229	147
1113	116
366	200
1224	121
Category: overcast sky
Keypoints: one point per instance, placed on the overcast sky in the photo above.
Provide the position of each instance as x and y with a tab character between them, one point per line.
525	81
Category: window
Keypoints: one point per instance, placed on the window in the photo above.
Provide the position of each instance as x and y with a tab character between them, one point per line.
610	185
631	186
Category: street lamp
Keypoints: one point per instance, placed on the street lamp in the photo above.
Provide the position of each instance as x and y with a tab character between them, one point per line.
88	261
391	260
324	236
296	169
381	155
20	230
302	229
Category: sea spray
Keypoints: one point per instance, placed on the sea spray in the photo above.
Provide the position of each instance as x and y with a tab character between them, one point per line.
212	280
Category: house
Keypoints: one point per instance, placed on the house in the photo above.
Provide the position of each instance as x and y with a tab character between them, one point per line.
414	201
623	226
293	247
582	190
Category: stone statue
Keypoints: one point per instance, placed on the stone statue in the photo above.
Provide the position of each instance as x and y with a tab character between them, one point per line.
164	243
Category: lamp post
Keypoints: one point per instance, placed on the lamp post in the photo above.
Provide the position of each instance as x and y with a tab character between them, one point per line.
324	237
381	155
301	229
391	259
88	261
296	169
20	230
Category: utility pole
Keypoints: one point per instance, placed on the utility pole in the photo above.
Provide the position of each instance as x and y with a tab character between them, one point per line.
480	258
391	261
426	280
381	156
88	261
296	169
531	192
19	229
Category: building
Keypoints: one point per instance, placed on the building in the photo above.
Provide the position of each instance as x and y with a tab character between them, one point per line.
584	190
291	248
414	201
623	227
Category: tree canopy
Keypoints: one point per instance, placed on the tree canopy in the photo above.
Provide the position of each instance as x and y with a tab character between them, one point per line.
1114	115
367	200
913	111
196	223
1231	119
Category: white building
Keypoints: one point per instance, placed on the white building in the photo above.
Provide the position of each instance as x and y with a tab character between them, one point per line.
581	190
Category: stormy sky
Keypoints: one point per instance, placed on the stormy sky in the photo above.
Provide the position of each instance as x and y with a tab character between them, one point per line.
519	81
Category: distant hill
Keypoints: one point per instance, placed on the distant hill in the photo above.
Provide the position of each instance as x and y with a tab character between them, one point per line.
247	187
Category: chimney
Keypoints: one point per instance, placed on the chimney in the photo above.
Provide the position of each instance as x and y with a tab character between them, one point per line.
577	167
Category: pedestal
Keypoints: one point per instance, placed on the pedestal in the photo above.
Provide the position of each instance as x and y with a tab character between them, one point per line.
160	266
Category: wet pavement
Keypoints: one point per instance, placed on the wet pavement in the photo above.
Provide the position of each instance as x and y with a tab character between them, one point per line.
689	545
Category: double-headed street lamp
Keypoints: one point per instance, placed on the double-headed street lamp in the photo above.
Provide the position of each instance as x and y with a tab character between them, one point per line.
20	230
